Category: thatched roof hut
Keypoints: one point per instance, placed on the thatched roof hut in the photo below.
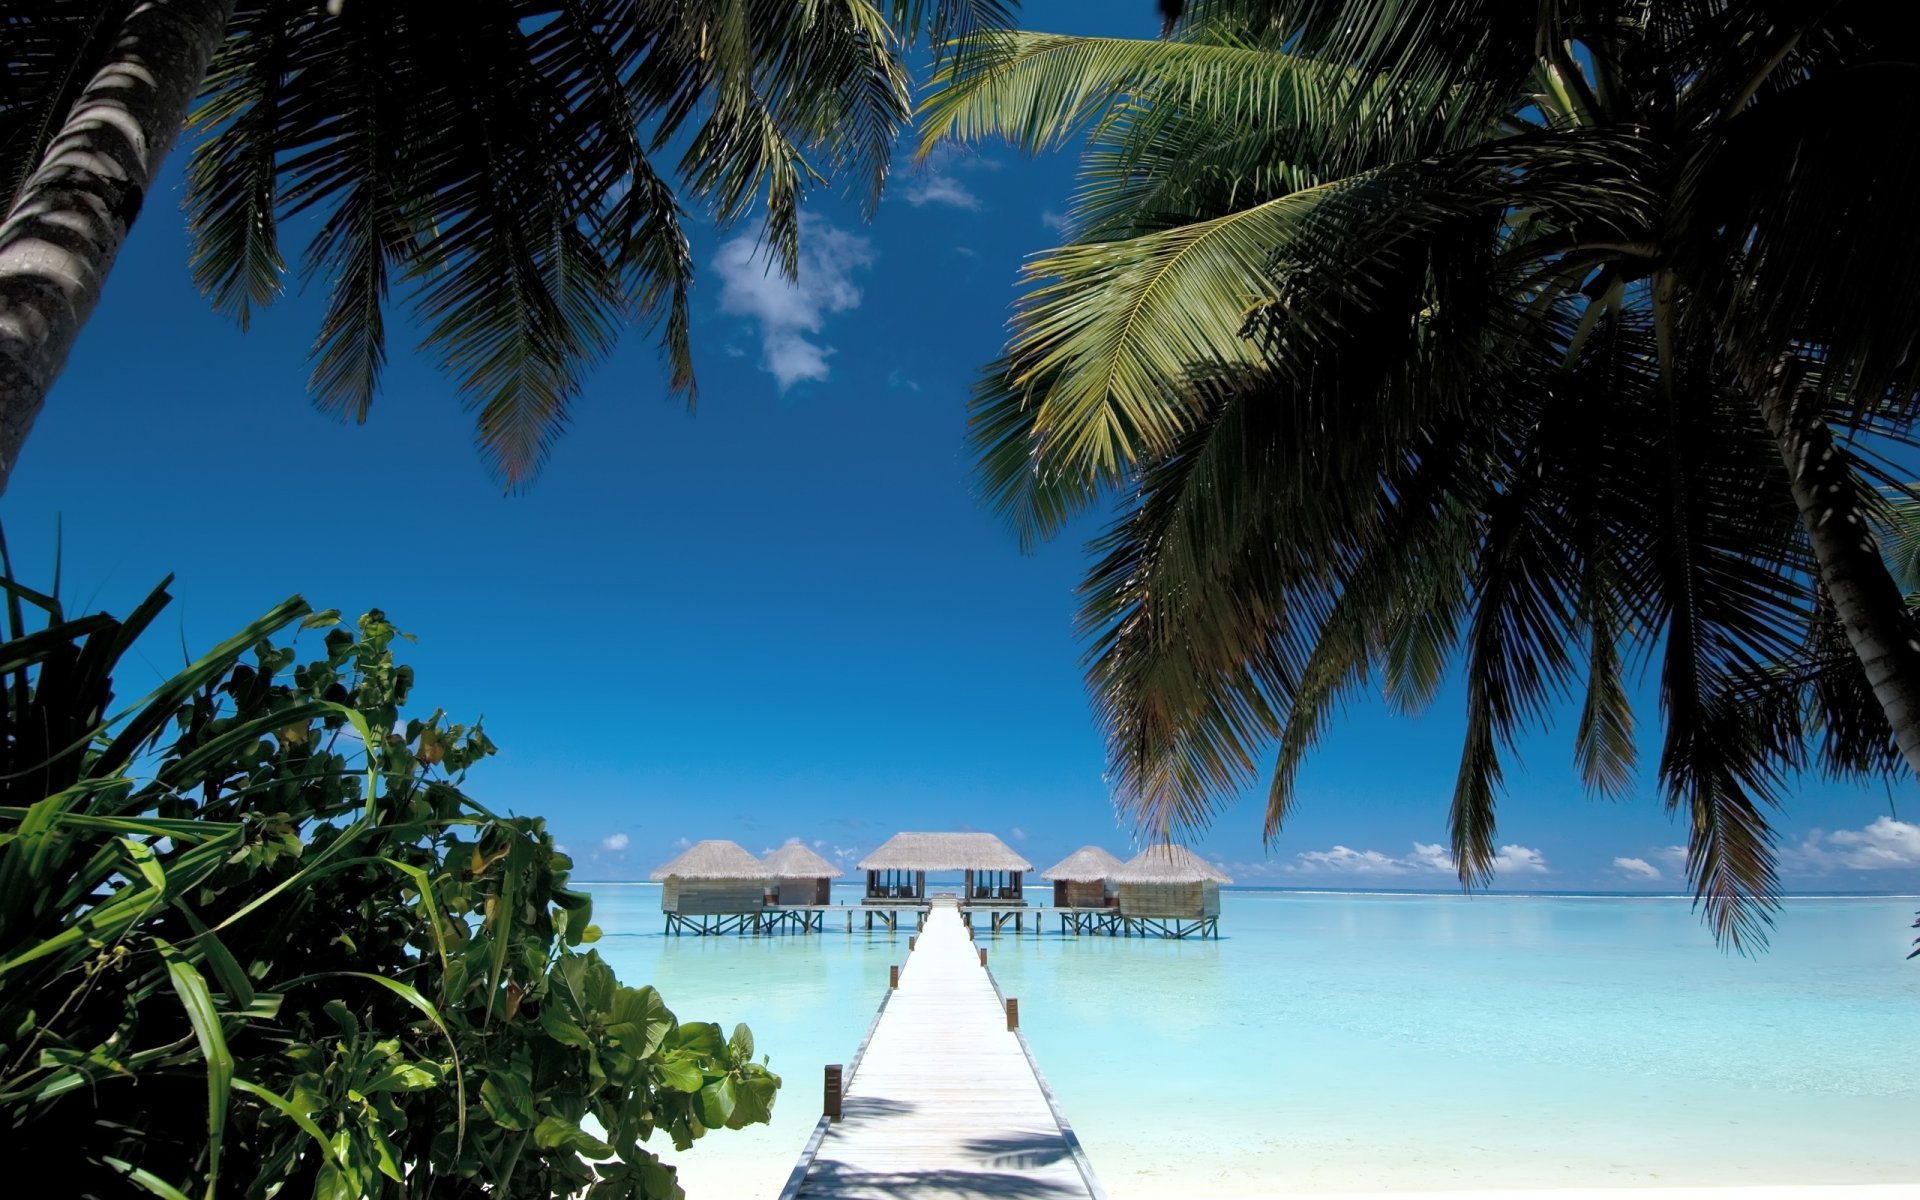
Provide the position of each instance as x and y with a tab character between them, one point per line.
800	876
1169	864
1082	879
1088	864
897	871
714	877
944	852
1169	882
794	861
715	858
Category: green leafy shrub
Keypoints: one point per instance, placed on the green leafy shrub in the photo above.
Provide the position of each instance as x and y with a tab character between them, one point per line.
256	941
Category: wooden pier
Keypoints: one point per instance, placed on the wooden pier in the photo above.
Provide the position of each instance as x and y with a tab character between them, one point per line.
944	1098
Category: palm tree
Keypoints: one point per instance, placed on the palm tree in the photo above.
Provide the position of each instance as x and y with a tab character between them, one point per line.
518	168
1536	336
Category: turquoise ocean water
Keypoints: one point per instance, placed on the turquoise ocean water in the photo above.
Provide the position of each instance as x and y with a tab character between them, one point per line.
1350	1042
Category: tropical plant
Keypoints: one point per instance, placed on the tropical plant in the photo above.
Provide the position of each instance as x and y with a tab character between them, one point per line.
1553	340
256	941
520	168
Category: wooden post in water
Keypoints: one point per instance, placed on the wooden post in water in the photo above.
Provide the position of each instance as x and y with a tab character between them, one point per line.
893	976
983	956
831	1107
910	942
1013	1014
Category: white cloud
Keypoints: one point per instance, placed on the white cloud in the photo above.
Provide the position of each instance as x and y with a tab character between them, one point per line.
899	381
1432	856
935	188
615	843
1673	858
819	843
1883	845
1520	860
750	286
1427	858
1344	861
934	182
1019	834
1054	221
681	843
1636	868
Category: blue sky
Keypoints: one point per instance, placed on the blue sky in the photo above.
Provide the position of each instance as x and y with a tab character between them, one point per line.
782	617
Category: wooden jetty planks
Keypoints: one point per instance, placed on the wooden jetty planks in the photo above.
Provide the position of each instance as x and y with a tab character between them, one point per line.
944	1099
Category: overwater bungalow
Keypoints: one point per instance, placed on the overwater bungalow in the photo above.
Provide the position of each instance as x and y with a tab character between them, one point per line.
1170	891
1083	879
799	875
991	871
715	886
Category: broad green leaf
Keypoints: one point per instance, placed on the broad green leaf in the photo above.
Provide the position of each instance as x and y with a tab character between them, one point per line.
717	1102
555	1132
406	1077
508	1099
680	1071
639	1021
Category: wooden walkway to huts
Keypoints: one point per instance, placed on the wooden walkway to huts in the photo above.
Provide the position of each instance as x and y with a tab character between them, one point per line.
943	1099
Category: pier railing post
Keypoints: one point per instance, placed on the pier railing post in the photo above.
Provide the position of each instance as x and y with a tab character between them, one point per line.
910	942
831	1107
893	976
983	956
1013	1014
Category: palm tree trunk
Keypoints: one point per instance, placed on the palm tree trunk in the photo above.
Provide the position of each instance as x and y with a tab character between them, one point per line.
1879	624
69	220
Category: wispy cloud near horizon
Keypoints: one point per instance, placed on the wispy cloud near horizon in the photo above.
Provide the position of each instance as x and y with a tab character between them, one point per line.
1636	868
1427	858
1884	844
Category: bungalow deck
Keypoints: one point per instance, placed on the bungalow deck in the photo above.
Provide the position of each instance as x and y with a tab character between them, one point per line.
991	919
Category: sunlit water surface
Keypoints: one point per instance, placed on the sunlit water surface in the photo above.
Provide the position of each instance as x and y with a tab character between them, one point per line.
1347	1042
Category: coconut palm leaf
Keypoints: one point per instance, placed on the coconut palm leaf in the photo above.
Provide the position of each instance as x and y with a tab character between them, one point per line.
499	168
1488	396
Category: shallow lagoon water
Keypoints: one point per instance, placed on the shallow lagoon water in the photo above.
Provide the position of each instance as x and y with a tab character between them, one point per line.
1348	1042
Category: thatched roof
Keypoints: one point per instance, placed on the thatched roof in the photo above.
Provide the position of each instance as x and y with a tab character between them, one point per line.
715	859
1085	865
794	861
1168	864
944	852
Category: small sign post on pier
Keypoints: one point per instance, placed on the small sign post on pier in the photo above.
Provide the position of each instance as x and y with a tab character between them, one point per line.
831	1107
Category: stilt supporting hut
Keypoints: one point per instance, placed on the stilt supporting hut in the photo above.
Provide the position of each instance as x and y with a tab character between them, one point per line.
1169	891
715	887
1083	890
991	873
801	887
